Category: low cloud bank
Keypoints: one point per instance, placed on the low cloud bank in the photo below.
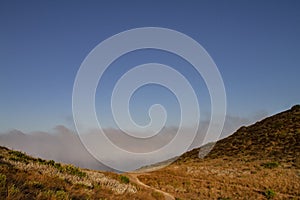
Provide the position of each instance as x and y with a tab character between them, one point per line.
64	145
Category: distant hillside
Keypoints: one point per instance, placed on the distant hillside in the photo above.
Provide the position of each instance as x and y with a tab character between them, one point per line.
276	137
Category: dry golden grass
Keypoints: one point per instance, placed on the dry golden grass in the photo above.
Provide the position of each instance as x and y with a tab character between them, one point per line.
261	161
24	177
226	178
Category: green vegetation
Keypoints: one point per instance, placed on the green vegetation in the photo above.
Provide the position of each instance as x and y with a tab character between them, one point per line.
269	194
2	180
157	195
70	169
50	162
270	165
36	184
20	157
124	179
2	185
61	195
19	154
13	191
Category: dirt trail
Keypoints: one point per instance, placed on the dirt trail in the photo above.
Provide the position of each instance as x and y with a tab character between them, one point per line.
134	178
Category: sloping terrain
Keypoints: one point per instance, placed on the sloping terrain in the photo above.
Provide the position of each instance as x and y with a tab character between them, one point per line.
261	161
24	177
276	138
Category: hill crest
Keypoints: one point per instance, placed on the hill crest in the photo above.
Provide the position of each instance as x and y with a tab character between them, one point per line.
276	137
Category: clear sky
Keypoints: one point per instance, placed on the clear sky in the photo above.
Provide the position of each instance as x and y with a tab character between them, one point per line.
255	45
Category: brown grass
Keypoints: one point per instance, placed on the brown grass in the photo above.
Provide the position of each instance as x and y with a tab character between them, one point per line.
24	177
261	161
226	178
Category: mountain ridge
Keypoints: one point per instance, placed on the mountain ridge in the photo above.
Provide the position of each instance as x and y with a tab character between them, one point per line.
276	137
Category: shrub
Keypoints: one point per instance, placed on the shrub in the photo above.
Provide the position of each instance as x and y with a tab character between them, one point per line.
2	180
18	154
48	194
12	191
50	162
124	179
296	107
70	169
270	165
61	195
58	166
269	194
41	161
2	185
157	195
36	184
20	157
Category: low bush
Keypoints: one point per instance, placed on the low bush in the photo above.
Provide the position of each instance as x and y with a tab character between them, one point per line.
61	195
2	185
13	192
269	194
20	157
70	169
157	195
270	165
124	179
36	184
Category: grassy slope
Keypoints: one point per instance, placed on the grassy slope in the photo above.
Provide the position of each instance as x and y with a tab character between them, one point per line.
25	177
261	161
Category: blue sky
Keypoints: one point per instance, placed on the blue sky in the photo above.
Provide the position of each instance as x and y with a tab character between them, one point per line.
255	45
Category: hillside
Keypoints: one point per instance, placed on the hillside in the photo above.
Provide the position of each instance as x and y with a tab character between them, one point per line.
260	161
23	177
276	137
